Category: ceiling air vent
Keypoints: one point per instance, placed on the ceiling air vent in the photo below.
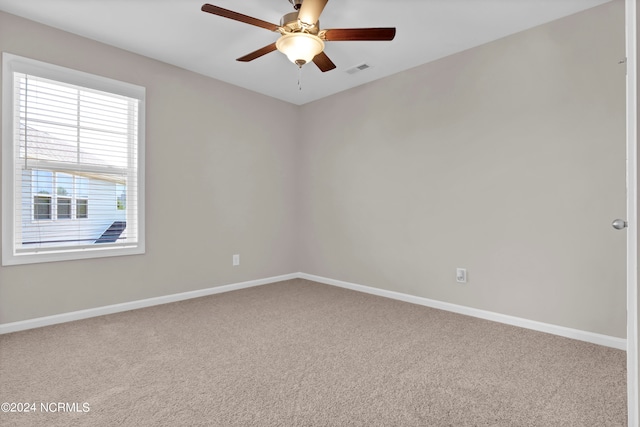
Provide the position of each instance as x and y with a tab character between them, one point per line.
358	68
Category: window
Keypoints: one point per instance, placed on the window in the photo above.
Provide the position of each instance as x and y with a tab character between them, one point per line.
62	199
82	209
82	198
72	171
64	193
41	207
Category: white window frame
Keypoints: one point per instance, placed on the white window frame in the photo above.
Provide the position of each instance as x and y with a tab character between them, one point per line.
10	193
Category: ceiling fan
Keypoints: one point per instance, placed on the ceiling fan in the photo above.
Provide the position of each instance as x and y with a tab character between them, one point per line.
301	38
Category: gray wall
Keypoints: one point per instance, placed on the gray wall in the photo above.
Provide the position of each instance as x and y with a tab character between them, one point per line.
507	159
219	181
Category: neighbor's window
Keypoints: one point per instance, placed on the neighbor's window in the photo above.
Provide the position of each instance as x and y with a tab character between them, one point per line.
72	168
69	191
82	197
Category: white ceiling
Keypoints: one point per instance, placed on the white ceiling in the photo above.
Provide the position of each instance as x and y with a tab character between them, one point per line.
179	33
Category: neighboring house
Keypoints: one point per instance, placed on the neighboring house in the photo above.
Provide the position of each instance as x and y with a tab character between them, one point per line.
62	207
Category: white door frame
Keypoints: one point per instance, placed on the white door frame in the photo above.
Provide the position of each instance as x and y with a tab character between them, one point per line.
632	212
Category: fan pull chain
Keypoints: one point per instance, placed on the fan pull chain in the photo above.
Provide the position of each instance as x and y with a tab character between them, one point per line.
299	77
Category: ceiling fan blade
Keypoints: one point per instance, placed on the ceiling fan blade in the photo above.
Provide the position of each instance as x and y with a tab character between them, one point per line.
238	17
360	34
310	11
323	62
258	53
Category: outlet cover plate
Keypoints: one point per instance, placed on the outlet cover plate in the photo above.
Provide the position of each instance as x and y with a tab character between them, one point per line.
461	275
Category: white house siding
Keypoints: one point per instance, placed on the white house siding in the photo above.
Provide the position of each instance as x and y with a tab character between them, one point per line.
102	212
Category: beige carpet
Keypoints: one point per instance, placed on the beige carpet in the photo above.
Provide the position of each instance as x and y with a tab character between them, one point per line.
298	353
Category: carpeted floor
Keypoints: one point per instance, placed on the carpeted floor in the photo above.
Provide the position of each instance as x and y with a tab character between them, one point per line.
298	353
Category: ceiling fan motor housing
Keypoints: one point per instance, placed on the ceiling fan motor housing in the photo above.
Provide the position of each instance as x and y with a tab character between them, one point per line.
291	24
289	20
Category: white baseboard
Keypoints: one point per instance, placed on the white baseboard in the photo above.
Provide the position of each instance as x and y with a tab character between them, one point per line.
605	340
6	328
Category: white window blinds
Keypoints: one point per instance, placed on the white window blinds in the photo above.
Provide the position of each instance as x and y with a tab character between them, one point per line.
75	166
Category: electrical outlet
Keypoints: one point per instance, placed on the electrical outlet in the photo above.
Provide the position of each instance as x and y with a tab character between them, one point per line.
236	260
461	275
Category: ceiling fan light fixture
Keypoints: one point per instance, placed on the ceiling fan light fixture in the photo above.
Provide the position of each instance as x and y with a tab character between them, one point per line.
300	48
